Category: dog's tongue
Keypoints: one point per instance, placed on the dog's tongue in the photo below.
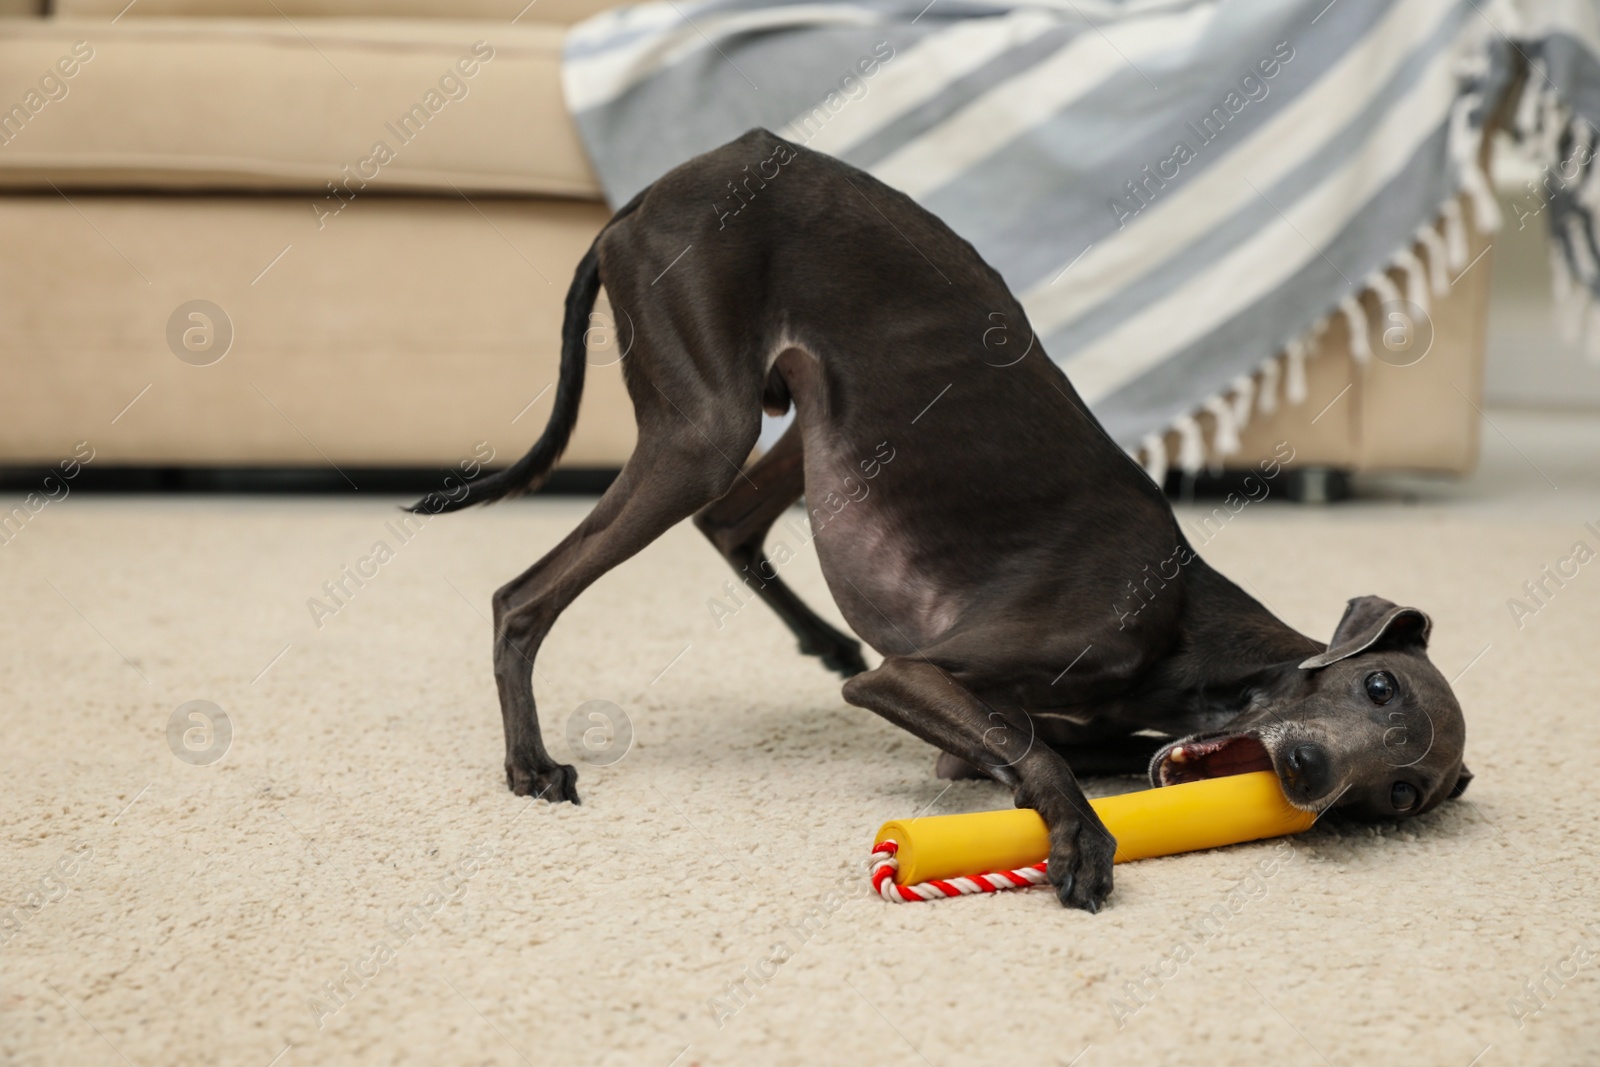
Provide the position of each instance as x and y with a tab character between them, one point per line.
1211	757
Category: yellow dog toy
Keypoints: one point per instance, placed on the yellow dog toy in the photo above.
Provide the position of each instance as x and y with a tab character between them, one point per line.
954	855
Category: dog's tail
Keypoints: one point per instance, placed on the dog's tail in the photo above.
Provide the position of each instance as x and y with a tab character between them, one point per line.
529	472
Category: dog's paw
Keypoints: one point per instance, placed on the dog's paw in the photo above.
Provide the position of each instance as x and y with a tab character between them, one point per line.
1081	849
1081	855
558	782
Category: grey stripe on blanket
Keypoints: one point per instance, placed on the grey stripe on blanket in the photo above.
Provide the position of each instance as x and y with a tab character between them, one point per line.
1179	192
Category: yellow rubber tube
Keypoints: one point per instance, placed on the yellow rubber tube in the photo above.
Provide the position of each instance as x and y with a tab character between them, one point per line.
1152	822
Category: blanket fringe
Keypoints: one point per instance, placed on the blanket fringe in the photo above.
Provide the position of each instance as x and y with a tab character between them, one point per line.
1424	266
1355	321
1225	429
1267	387
1294	372
1438	274
1563	144
1417	287
1154	450
1427	267
1455	236
1244	396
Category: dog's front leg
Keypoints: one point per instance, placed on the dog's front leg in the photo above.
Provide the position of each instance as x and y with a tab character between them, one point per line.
928	702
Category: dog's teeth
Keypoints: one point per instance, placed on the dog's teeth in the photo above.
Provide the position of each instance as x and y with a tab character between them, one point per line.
1178	755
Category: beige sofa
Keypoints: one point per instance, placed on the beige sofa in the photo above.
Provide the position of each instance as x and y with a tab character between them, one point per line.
394	308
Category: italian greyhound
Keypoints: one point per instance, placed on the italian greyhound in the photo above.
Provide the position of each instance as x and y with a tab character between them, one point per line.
991	536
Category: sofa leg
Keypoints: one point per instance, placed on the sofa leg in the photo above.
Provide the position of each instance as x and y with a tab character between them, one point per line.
1317	485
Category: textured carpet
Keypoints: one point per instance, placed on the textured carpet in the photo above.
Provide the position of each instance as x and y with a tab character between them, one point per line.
351	882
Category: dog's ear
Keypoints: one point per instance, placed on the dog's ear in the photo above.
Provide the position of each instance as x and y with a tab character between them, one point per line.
1462	781
1371	622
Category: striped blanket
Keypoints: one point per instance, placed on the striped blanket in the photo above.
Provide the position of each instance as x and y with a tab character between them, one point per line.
1181	193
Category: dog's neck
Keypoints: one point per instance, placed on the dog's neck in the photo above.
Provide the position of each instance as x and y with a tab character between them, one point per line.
1230	650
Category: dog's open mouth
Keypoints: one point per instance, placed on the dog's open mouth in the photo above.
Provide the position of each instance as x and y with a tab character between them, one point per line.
1198	758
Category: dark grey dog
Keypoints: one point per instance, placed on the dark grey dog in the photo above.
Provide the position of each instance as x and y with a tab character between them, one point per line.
977	526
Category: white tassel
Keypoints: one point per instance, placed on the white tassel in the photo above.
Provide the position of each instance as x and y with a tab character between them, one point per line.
1155	456
1433	244
1380	282
1485	212
1225	434
1416	279
1267	392
1244	397
1191	446
1355	320
1455	233
1388	296
1319	327
1465	142
1294	378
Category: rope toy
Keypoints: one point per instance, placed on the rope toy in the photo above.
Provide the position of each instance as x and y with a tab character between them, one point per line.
936	857
885	867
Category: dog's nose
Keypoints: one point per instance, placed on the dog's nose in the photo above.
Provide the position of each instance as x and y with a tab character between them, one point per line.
1310	770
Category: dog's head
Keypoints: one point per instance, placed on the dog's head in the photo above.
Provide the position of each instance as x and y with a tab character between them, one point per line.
1369	726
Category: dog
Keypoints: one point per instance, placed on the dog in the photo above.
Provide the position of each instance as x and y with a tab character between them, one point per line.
988	528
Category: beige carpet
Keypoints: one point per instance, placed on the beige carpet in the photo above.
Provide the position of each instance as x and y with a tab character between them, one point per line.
706	904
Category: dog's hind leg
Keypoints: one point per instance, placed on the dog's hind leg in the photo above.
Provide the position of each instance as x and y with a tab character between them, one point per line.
675	470
737	524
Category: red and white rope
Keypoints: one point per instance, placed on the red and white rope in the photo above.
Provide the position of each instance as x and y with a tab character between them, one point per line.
885	866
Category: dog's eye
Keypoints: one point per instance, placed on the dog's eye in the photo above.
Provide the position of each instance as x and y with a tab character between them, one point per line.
1403	795
1380	687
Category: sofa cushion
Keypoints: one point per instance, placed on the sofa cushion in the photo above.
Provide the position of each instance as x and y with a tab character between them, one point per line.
563	12
342	106
397	336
